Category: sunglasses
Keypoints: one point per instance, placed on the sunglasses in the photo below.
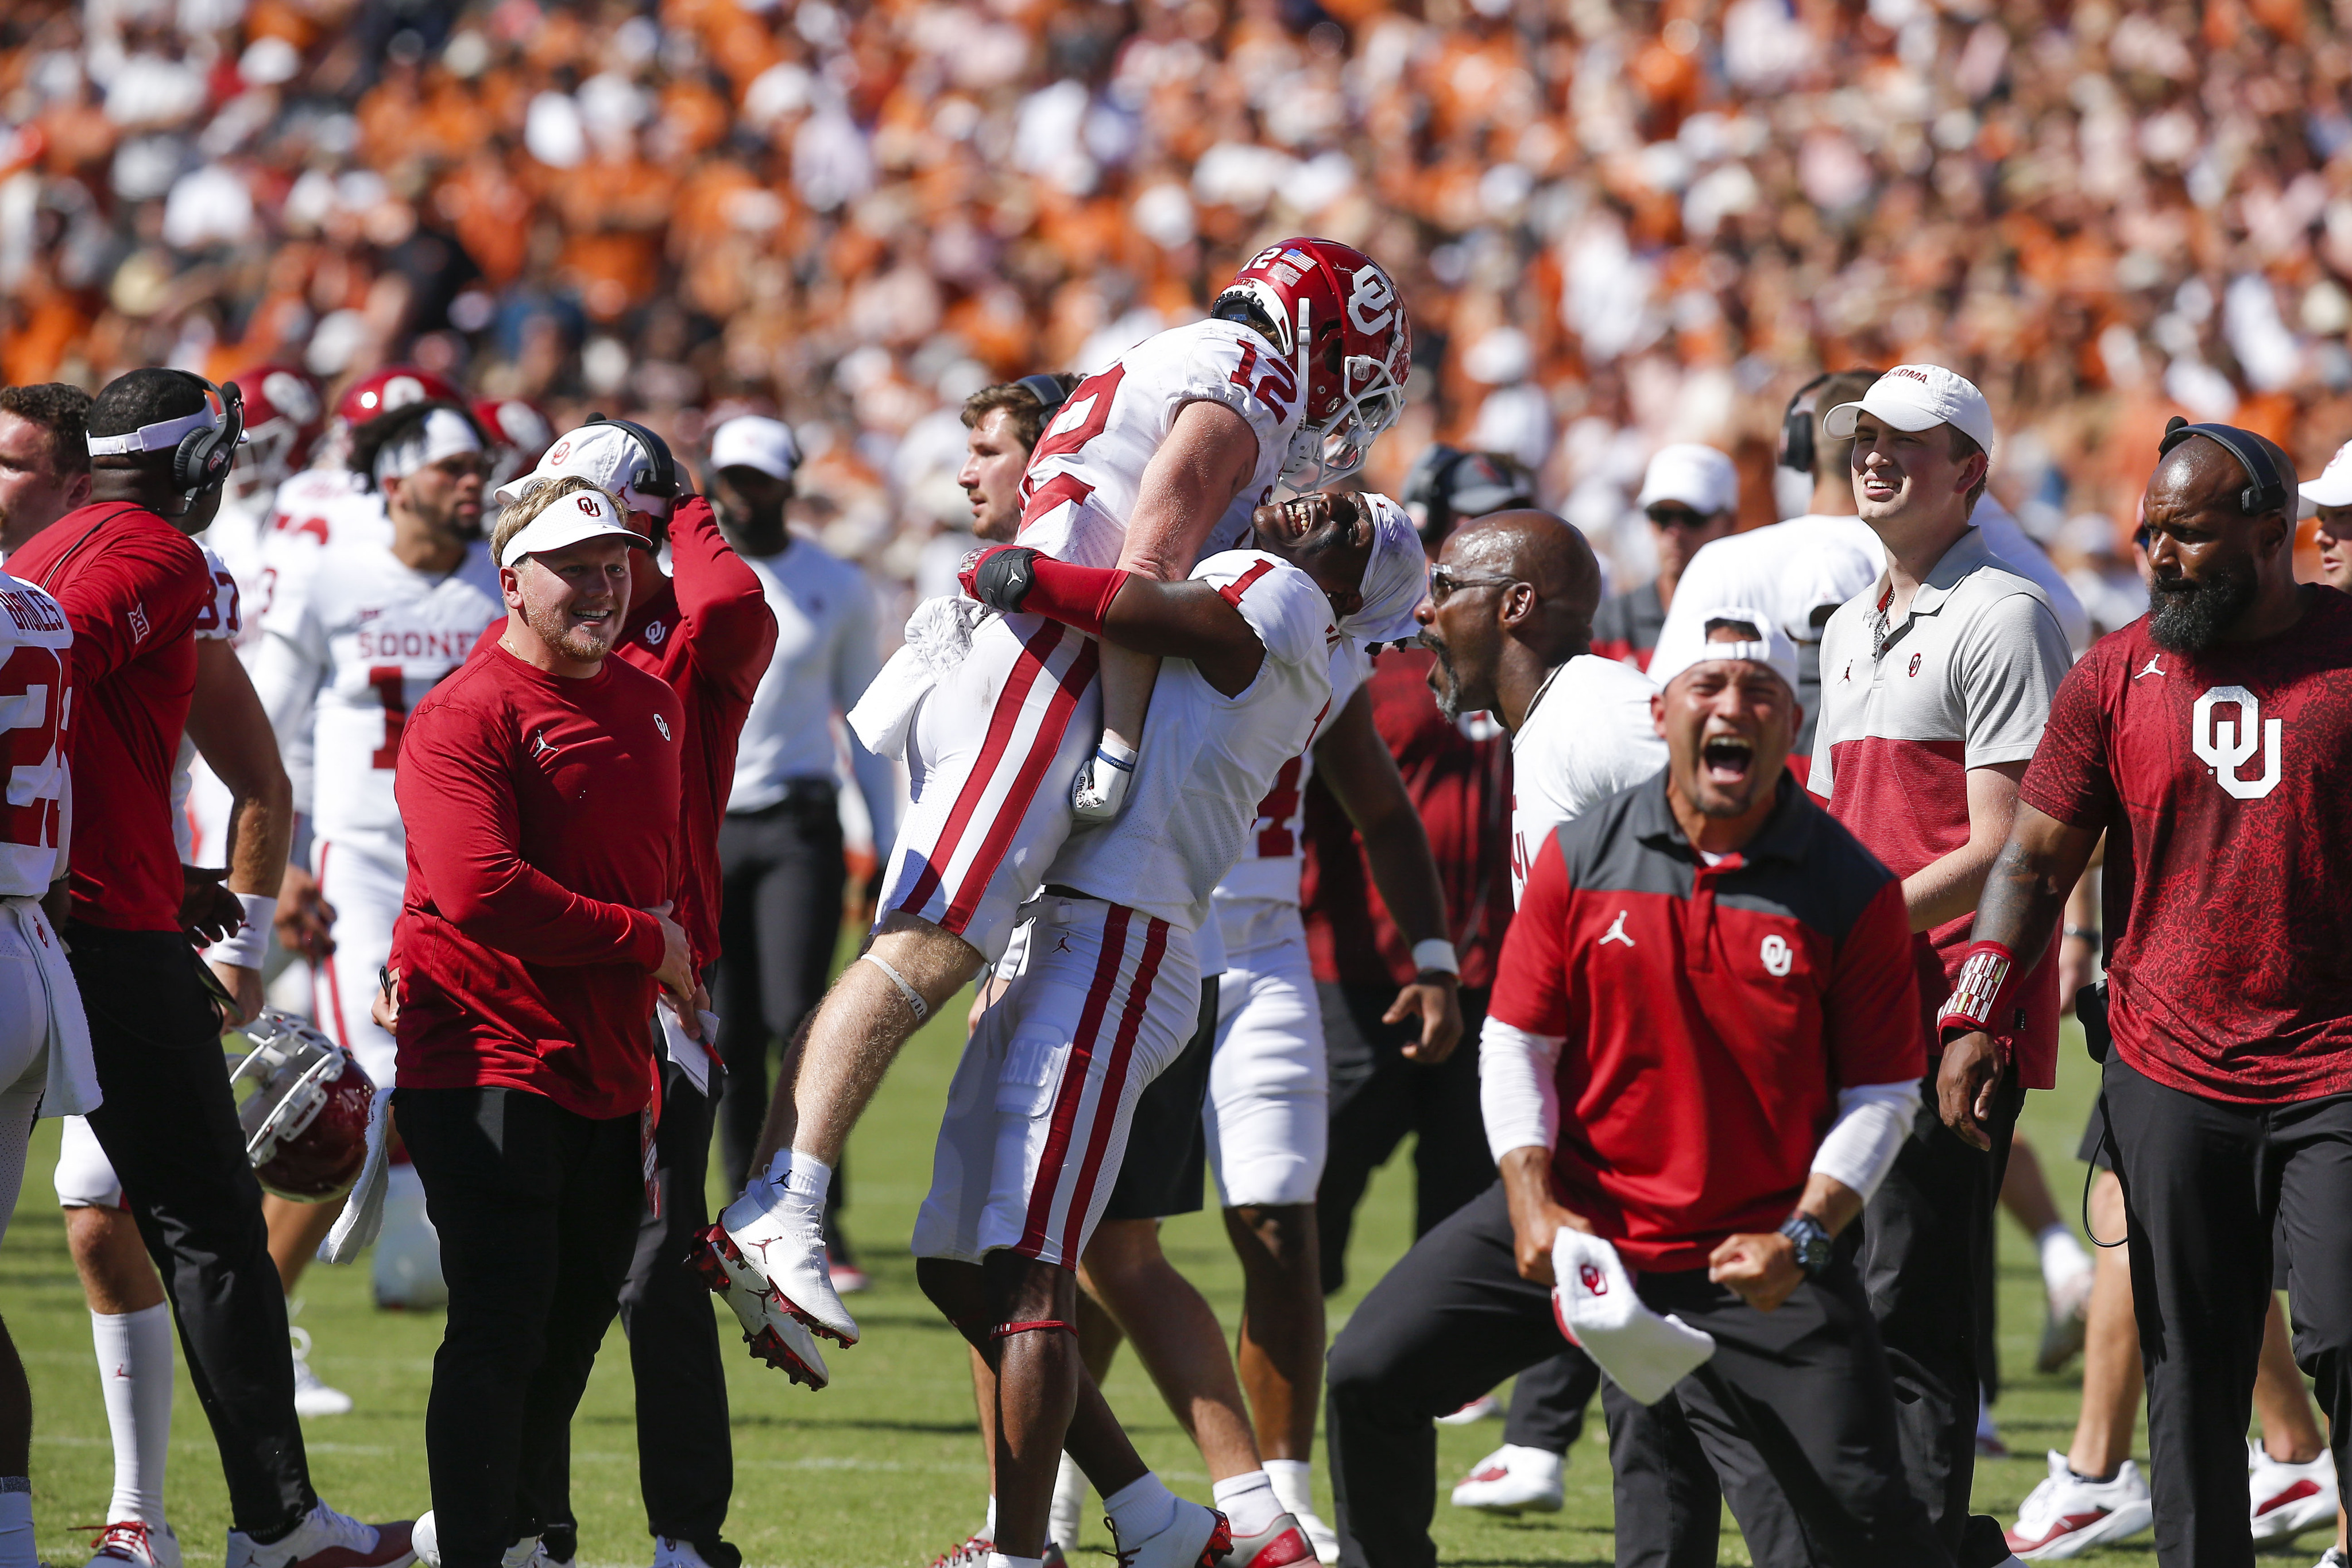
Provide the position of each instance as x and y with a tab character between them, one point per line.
1678	518
1442	584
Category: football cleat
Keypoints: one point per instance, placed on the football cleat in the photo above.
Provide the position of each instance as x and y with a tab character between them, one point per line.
312	1396
1196	1537
1486	1407
1279	1546
785	1245
2065	1515
326	1539
1513	1480
2333	1557
974	1552
2285	1499
776	1333
135	1543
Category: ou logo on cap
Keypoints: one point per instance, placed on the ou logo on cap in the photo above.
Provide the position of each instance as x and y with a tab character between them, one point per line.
588	504
1778	956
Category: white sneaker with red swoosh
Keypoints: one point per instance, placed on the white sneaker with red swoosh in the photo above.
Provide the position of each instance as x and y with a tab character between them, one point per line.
2286	1498
2066	1515
326	1539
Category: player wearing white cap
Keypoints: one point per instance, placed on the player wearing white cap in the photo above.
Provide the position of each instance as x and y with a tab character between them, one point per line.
2328	500
1691	495
1148	465
354	633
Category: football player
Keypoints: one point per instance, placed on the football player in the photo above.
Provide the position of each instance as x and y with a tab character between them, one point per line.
1148	466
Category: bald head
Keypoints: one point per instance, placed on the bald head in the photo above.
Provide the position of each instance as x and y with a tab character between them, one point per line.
1513	595
2219	574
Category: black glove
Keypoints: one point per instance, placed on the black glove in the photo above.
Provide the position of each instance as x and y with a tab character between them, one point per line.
1001	578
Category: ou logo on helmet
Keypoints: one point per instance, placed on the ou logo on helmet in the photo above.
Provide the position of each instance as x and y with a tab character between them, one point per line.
1370	300
1778	956
2225	746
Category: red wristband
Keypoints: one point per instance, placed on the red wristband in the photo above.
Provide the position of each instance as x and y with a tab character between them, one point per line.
1077	596
1988	976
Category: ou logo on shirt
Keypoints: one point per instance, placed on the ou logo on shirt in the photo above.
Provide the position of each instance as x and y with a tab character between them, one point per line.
1778	956
2225	746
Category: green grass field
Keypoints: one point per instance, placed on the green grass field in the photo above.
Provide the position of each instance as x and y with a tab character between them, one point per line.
884	1467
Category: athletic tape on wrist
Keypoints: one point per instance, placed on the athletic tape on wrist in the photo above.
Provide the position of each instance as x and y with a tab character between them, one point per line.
250	943
1436	953
1985	975
922	1009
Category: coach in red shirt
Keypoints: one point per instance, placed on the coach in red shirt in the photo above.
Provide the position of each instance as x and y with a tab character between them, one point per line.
1703	1047
2211	741
539	786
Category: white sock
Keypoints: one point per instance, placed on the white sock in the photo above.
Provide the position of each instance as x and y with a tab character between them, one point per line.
1248	1502
988	1530
2063	1256
1294	1484
802	1181
1069	1504
135	1373
999	1559
16	1524
1141	1509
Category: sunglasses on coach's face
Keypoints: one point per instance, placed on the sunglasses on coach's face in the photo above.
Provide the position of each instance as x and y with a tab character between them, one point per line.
1678	518
1442	584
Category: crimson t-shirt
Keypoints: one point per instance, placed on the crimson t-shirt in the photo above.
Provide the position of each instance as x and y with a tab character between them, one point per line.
2224	782
133	587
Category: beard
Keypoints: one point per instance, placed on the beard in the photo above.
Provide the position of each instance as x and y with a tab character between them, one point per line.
2190	617
586	643
1449	701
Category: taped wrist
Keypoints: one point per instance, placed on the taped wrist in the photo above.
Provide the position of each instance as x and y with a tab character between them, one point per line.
1988	982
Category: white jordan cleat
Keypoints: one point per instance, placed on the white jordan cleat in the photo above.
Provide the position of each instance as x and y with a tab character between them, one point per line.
326	1539
1513	1480
2285	1499
1196	1537
776	1333
783	1243
2066	1515
135	1543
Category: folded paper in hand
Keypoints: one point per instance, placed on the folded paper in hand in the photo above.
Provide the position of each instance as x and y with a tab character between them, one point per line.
1595	1306
695	1056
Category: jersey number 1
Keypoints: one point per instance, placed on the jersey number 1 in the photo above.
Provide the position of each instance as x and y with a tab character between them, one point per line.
392	690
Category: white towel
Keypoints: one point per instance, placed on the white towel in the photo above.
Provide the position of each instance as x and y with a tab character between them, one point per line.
939	638
362	1213
1594	1304
71	1088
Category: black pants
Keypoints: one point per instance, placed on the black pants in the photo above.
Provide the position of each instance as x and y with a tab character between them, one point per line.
1548	1402
686	1454
2203	1182
169	1125
1795	1404
1926	1250
1377	1097
784	878
537	1210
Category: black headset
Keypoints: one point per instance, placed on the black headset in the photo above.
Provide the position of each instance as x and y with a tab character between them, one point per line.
204	457
661	479
2267	493
1048	389
1797	429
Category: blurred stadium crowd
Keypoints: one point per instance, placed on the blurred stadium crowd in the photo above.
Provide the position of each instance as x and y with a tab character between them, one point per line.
1618	225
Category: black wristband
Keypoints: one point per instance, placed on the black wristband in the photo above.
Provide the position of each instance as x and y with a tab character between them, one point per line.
1004	577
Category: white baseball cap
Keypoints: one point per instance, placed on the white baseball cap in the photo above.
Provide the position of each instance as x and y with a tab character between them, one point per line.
568	520
1700	478
1772	647
1917	397
606	455
754	441
1396	579
2334	486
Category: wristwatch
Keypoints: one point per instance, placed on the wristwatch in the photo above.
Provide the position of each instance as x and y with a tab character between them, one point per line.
1812	1241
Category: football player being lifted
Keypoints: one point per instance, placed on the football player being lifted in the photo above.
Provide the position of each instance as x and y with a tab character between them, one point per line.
1012	724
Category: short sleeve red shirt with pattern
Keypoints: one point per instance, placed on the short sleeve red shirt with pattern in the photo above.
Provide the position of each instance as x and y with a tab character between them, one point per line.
2223	780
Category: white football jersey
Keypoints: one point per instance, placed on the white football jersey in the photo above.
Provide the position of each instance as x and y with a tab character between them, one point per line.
350	645
1273	852
1086	468
1208	759
235	539
222	621
310	504
1589	736
36	678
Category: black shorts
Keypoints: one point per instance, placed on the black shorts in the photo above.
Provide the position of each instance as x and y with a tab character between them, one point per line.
1168	1127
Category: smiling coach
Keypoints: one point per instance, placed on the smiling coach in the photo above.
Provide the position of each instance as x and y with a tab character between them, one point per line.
539	786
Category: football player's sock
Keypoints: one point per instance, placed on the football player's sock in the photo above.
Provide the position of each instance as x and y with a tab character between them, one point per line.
1248	1502
1069	1505
134	1371
1294	1487
999	1559
2063	1256
988	1530
802	1181
16	1524
1141	1509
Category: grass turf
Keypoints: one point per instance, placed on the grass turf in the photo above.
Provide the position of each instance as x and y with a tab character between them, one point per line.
884	1467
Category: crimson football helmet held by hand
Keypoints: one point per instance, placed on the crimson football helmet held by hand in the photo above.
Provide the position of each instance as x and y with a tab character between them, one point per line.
1335	315
304	1108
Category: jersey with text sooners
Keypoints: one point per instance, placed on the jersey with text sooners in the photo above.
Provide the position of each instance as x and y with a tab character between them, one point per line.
355	643
1086	469
1208	759
36	683
1589	735
2221	780
1272	851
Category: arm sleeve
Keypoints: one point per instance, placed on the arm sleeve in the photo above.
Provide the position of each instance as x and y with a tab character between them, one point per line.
457	803
1518	1088
1859	1147
2010	661
719	598
2069	777
1871	1017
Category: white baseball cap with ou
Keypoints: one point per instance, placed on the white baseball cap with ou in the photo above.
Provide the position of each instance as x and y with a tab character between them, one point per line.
1917	397
1771	647
755	440
1700	477
571	520
2334	486
606	455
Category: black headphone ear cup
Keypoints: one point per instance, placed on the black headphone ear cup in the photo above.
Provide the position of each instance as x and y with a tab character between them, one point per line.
1797	442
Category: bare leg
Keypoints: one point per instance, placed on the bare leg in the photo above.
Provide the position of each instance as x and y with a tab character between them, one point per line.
1179	1339
1098	1337
116	1274
1280	1354
855	1033
2025	1194
2112	1377
2290	1424
295	1231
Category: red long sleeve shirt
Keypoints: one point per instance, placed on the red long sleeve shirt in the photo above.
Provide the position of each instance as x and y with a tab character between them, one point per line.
133	587
542	818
